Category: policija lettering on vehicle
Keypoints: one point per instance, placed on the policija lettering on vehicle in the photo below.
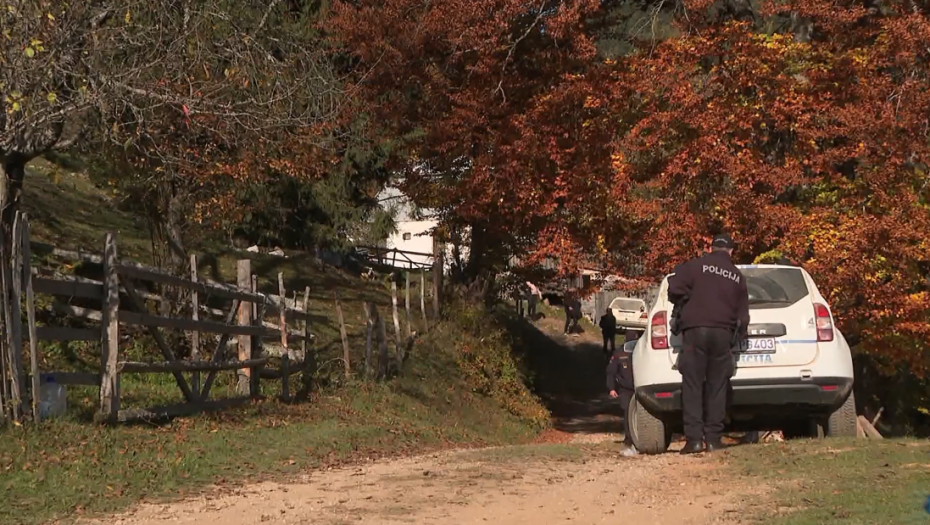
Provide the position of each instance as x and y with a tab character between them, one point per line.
711	311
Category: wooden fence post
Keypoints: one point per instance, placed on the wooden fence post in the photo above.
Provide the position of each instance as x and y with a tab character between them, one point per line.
195	335
399	347
15	328
345	336
286	355
437	275
109	382
282	320
407	303
255	343
31	316
423	300
382	347
244	281
369	329
305	344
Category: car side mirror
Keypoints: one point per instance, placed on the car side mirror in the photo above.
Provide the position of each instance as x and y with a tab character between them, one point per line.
629	346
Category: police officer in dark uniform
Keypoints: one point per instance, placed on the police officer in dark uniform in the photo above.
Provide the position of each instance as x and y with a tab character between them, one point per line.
714	311
620	386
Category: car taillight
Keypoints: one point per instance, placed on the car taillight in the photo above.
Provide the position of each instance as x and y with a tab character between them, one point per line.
659	332
824	323
643	315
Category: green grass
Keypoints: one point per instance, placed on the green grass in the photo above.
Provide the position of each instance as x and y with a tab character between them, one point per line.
70	468
838	481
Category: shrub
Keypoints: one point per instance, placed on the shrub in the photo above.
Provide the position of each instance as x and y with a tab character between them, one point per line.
484	353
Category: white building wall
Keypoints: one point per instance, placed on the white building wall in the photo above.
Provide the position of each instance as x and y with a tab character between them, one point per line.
415	236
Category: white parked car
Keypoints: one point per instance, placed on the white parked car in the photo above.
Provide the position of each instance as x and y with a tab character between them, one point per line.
630	313
793	373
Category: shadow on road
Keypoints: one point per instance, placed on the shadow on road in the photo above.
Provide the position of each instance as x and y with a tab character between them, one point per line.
568	373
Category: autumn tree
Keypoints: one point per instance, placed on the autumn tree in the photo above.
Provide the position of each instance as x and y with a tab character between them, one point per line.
807	144
457	83
631	133
167	83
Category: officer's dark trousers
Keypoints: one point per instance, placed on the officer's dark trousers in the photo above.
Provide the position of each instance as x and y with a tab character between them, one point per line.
625	396
706	366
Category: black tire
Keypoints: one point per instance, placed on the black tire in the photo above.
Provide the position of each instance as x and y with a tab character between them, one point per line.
842	422
650	434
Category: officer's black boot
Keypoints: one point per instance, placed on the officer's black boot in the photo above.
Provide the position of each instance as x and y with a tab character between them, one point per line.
693	447
715	446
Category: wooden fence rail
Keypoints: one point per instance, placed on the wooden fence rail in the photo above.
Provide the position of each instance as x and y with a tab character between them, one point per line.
119	304
392	256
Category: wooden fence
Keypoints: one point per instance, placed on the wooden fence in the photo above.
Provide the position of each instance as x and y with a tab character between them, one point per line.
394	258
119	303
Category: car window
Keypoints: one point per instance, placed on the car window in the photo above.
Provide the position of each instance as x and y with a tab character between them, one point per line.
629	305
774	287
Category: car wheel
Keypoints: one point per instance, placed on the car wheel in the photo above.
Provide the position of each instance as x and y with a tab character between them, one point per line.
650	434
842	422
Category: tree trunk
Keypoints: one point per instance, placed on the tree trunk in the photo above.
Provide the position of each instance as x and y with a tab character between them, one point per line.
174	228
166	218
457	266
12	172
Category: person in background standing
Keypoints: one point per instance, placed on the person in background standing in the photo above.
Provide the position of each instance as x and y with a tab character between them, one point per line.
572	306
608	324
567	302
533	295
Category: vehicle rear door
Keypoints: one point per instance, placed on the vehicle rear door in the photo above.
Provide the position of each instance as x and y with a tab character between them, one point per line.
782	329
627	310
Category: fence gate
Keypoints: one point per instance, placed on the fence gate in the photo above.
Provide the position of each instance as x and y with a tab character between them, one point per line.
116	306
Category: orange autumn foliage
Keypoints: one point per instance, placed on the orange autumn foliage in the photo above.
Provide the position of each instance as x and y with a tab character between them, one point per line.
813	147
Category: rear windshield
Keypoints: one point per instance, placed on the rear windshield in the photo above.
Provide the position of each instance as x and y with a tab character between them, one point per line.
628	305
774	287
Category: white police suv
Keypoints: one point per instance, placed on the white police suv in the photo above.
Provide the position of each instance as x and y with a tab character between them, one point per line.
794	372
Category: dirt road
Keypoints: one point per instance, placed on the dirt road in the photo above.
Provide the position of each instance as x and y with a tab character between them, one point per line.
579	481
507	487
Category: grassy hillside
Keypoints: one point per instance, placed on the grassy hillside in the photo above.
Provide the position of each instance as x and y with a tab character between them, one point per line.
71	467
68	211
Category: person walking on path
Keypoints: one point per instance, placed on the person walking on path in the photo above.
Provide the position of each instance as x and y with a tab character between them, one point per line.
715	310
533	296
608	324
572	307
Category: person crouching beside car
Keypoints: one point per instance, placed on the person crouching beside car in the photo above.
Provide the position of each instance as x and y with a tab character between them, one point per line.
620	386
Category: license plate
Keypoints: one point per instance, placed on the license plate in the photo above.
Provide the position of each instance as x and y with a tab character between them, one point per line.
764	345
